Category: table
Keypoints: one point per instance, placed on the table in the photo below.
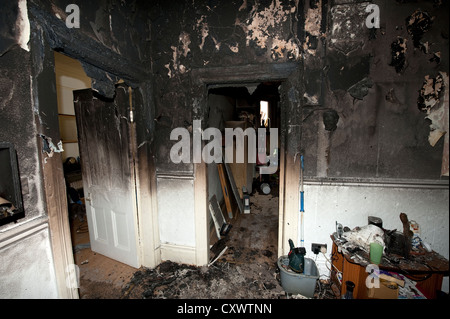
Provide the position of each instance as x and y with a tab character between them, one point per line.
427	269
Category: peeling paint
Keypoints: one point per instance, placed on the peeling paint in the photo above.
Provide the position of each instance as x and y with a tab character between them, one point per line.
185	41
437	110
259	22
23	26
204	30
307	46
49	148
417	24
444	125
262	27
398	54
436	57
177	51
234	48
429	93
311	99
436	127
217	44
314	19
243	6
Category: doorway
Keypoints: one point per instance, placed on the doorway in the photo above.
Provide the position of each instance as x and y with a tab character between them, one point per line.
97	271
253	232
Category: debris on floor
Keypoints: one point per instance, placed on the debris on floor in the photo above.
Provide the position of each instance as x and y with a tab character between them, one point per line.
243	265
222	280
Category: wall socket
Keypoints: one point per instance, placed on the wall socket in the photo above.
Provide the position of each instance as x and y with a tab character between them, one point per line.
317	248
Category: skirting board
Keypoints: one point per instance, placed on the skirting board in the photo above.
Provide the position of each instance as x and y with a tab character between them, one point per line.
178	254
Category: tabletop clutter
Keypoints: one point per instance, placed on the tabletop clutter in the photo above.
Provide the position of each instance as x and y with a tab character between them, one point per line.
370	262
394	256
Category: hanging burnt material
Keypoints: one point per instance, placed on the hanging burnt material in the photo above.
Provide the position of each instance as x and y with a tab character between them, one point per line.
330	120
430	93
417	24
436	57
398	54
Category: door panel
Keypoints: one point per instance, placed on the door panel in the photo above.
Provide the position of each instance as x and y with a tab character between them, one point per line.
107	169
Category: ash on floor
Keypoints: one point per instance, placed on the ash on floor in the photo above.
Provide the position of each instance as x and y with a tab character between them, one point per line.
246	270
222	280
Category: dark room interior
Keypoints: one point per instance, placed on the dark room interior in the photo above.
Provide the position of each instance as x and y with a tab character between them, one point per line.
242	149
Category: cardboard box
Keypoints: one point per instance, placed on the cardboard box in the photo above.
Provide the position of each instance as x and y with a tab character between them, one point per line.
387	290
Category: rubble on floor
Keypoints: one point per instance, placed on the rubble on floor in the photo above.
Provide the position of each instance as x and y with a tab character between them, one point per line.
222	280
219	281
246	269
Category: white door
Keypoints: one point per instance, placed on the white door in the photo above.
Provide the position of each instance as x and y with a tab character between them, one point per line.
108	173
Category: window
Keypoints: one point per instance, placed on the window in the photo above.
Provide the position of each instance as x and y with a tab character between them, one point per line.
264	112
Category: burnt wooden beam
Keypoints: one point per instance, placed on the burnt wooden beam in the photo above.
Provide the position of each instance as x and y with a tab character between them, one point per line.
244	73
80	46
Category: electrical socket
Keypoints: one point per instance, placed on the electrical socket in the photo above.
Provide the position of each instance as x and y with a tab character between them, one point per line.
316	248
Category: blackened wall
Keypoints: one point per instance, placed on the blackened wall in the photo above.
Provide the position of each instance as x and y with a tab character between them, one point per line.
212	34
373	79
113	42
18	126
16	107
367	76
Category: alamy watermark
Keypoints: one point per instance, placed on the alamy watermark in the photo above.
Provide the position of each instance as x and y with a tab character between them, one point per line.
212	151
373	19
73	19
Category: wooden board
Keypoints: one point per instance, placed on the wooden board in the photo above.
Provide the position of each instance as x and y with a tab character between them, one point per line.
242	172
216	214
234	188
223	183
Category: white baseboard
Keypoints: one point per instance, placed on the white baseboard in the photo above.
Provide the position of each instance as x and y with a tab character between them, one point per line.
178	254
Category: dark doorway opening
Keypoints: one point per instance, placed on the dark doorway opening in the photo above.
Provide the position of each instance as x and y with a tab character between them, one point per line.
253	235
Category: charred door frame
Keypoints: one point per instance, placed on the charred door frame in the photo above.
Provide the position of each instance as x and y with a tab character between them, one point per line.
290	139
49	34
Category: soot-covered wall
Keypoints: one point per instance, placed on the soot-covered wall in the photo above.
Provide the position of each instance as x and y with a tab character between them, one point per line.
368	79
16	109
188	36
378	81
112	42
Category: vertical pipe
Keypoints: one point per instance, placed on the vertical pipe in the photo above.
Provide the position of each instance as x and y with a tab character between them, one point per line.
302	201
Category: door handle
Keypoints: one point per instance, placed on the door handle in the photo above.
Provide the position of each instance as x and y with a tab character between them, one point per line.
88	198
